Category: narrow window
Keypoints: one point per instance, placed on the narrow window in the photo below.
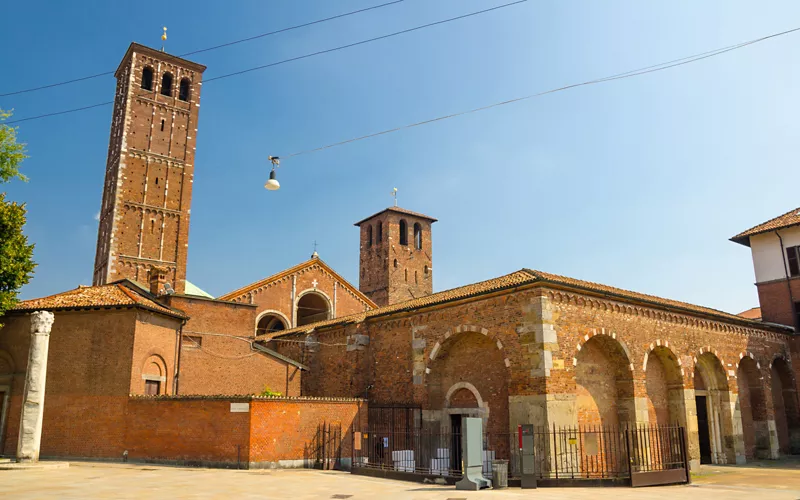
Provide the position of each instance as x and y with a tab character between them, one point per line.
166	84
797	315
418	236
363	272
369	235
395	263
426	270
406	275
416	280
793	256
162	124
152	387
379	238
152	225
403	232
183	90
156	181
147	78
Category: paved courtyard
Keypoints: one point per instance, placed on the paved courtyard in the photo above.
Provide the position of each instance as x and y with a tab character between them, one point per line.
765	481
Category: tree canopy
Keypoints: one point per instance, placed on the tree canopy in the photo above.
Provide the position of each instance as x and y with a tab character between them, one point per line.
16	255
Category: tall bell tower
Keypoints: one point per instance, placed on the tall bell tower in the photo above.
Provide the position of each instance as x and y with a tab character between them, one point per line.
147	194
396	261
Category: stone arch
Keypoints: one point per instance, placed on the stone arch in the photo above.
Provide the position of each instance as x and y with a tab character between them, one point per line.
604	382
612	335
664	376
273	320
7	366
312	305
786	405
753	407
154	375
713	410
469	369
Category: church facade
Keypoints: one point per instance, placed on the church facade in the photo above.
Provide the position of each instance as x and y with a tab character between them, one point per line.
526	347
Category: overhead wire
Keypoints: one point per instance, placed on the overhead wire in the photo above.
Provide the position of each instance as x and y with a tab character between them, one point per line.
207	49
291	59
618	76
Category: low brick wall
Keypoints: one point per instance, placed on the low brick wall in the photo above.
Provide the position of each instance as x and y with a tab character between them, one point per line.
289	432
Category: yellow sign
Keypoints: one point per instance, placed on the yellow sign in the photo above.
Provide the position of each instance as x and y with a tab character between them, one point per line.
573	441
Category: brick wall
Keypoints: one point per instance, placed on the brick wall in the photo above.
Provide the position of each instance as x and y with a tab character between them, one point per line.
202	431
775	300
285	432
223	362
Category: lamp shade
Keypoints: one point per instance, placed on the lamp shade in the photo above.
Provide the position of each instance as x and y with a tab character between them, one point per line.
272	184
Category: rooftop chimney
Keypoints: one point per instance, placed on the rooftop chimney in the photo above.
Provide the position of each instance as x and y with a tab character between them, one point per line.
158	277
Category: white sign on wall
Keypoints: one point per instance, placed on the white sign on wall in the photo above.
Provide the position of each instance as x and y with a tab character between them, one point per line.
240	407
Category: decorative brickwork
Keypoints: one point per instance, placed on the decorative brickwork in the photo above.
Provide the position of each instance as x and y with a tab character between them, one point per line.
147	194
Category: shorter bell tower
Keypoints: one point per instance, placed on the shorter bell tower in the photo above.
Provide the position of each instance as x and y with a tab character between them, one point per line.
396	262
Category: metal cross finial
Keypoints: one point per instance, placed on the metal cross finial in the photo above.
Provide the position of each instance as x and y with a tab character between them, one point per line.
315	245
394	194
163	39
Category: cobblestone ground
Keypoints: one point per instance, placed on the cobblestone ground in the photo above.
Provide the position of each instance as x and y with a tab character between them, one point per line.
768	480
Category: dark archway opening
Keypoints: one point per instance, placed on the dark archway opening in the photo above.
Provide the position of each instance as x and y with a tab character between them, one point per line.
270	323
312	307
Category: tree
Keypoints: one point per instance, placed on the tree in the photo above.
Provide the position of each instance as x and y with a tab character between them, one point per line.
16	255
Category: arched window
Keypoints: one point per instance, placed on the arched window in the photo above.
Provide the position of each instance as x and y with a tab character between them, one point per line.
270	323
403	232
183	90
312	307
147	78
166	84
406	275
426	270
416	279
395	263
369	235
418	236
379	237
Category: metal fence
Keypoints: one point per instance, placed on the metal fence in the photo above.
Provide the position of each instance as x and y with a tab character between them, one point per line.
563	454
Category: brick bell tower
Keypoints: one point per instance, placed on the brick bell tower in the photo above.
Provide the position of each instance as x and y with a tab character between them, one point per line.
396	261
147	194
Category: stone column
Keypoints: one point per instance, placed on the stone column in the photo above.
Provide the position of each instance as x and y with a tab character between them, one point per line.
30	432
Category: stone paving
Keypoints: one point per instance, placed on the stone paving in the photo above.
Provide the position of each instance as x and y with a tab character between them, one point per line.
105	480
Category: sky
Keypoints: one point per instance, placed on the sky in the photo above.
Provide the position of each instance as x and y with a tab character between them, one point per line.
636	183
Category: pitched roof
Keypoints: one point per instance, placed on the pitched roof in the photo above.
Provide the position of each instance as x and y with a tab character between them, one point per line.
192	289
299	267
790	218
513	280
752	313
398	210
118	294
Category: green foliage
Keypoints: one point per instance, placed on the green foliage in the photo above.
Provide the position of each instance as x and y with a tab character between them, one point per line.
270	393
11	152
16	255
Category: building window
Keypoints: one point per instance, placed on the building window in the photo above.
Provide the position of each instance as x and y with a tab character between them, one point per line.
152	387
166	84
192	342
369	235
797	314
183	90
379	237
793	256
162	124
426	270
270	323
147	78
395	263
312	307
418	236
403	232
406	275
416	280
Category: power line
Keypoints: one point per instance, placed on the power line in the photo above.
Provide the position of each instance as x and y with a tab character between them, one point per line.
619	76
215	47
326	51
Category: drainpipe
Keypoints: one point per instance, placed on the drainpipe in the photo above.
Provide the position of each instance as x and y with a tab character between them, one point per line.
788	283
179	347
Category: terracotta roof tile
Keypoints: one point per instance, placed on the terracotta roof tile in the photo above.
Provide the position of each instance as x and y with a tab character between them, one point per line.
752	313
522	277
790	218
90	297
398	210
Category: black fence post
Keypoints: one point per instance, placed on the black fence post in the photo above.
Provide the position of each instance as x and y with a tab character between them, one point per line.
685	451
630	455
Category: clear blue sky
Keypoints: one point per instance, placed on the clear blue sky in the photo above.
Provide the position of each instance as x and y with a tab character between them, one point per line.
636	183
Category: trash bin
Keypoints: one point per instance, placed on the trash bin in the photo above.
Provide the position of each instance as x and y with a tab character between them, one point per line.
500	474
